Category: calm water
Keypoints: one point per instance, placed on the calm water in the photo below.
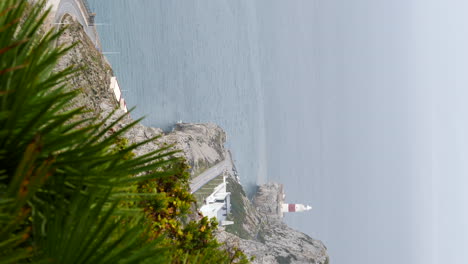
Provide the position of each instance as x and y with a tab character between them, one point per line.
249	66
357	107
183	60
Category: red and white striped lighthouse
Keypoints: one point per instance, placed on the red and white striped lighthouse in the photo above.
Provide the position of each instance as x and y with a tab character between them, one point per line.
292	208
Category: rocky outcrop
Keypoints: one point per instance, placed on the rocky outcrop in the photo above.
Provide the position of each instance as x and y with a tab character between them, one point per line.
286	244
268	201
202	144
94	73
271	240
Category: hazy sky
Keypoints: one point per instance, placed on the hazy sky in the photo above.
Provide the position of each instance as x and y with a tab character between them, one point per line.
370	120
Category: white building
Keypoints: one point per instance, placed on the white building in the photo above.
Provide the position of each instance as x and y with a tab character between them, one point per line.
114	86
218	204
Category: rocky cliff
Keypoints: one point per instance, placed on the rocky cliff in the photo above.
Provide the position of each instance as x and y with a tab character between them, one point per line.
202	144
258	229
260	232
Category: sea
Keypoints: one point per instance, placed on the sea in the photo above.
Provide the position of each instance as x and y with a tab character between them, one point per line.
186	61
357	106
248	66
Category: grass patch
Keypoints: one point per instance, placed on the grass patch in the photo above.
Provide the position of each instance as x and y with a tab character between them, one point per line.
238	213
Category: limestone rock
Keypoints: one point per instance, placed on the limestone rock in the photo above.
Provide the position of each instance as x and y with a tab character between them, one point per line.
94	72
268	201
272	241
202	144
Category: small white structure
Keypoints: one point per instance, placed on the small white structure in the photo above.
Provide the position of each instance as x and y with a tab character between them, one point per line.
292	208
114	86
218	204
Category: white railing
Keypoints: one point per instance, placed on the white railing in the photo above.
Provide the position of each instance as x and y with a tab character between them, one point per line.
114	87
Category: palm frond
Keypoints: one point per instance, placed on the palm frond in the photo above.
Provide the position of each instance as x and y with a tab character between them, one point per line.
60	181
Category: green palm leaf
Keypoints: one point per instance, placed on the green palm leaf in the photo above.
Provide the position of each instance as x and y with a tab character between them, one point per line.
61	181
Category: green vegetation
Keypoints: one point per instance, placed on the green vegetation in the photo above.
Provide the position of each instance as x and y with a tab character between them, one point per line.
71	188
238	213
167	214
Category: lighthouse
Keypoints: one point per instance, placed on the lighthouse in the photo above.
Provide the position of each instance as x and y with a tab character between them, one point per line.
291	208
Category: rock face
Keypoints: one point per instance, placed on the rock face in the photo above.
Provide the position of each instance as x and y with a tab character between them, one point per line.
287	244
272	241
202	144
93	77
268	201
258	229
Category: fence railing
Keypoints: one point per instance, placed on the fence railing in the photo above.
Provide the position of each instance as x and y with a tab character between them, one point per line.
89	13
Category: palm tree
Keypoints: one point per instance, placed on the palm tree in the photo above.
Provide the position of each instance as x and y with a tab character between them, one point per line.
61	180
